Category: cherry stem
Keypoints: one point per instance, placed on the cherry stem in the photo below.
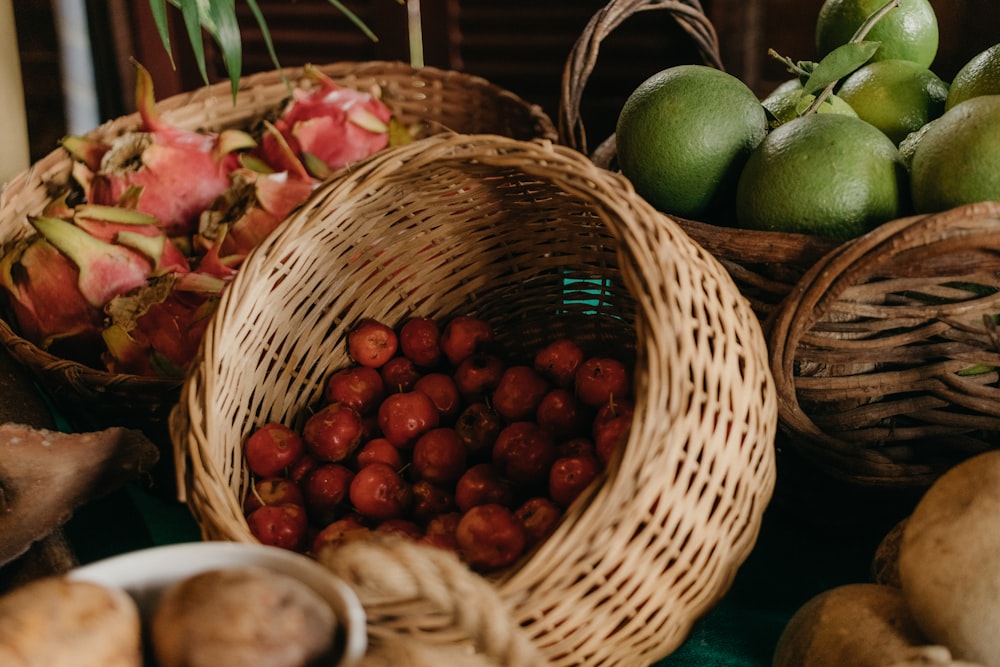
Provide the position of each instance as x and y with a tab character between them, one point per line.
859	35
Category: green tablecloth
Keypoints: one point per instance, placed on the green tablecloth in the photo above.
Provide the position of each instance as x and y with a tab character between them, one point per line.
806	545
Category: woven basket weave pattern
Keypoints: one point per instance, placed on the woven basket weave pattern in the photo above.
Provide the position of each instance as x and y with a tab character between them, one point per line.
539	241
433	99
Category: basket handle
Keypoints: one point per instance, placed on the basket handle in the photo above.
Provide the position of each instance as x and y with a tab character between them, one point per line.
423	599
583	57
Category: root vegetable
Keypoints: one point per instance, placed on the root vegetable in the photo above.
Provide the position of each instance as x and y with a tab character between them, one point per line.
862	625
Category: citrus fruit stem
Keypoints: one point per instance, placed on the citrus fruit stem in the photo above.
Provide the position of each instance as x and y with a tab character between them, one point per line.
858	36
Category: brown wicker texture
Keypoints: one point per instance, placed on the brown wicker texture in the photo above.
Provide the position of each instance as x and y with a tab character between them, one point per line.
437	99
886	354
764	265
538	240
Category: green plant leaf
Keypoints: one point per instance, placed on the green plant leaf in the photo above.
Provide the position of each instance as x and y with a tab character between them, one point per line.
355	19
839	63
192	23
266	34
221	23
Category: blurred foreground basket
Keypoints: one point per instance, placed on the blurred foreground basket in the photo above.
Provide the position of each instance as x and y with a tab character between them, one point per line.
540	242
433	99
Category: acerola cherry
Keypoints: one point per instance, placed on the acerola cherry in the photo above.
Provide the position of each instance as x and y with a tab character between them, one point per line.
561	414
464	335
601	379
482	484
489	537
539	516
399	374
271	448
326	491
478	375
439	456
405	416
272	491
379	492
282	526
440	532
443	391
338	532
569	476
305	465
478	427
334	432
379	449
431	500
420	341
559	360
358	387
523	452
372	343
519	392
401	527
610	435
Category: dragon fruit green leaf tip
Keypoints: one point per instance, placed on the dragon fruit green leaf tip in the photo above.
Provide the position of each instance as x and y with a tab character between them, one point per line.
131	276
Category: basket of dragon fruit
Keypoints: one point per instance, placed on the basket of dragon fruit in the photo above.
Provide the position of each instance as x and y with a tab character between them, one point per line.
117	244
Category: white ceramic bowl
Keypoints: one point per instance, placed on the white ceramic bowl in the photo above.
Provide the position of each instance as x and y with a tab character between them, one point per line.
144	574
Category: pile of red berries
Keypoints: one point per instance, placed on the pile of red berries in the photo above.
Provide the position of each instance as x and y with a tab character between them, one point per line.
431	434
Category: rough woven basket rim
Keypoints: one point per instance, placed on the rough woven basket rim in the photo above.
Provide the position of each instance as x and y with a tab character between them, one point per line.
427	95
626	574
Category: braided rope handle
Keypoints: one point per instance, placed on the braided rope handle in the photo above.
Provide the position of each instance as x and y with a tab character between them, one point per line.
422	603
583	58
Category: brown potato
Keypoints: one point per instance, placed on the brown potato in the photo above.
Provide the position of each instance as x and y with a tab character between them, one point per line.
59	622
862	625
242	616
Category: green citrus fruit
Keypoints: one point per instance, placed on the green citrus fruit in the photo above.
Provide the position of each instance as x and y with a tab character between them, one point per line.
683	136
788	104
896	96
824	174
909	31
979	76
957	160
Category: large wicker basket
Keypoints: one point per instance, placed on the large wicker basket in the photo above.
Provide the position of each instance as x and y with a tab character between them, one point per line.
765	265
885	365
428	97
536	239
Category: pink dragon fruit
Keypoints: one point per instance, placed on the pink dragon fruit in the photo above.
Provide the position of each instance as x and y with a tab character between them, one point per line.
254	206
156	329
330	126
177	172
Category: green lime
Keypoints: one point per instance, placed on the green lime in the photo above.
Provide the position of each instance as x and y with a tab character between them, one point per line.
979	76
908	31
788	104
683	136
957	160
828	175
896	96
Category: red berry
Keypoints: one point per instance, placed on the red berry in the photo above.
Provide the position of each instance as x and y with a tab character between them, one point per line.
611	435
399	374
372	343
439	456
406	416
482	484
272	491
600	380
558	361
464	335
420	341
561	414
519	392
569	476
334	432
442	390
338	532
326	490
539	516
272	448
478	427
431	500
490	537
379	449
523	452
401	527
379	492
358	387
279	525
478	375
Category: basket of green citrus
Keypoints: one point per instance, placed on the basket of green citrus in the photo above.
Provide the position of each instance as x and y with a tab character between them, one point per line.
852	207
